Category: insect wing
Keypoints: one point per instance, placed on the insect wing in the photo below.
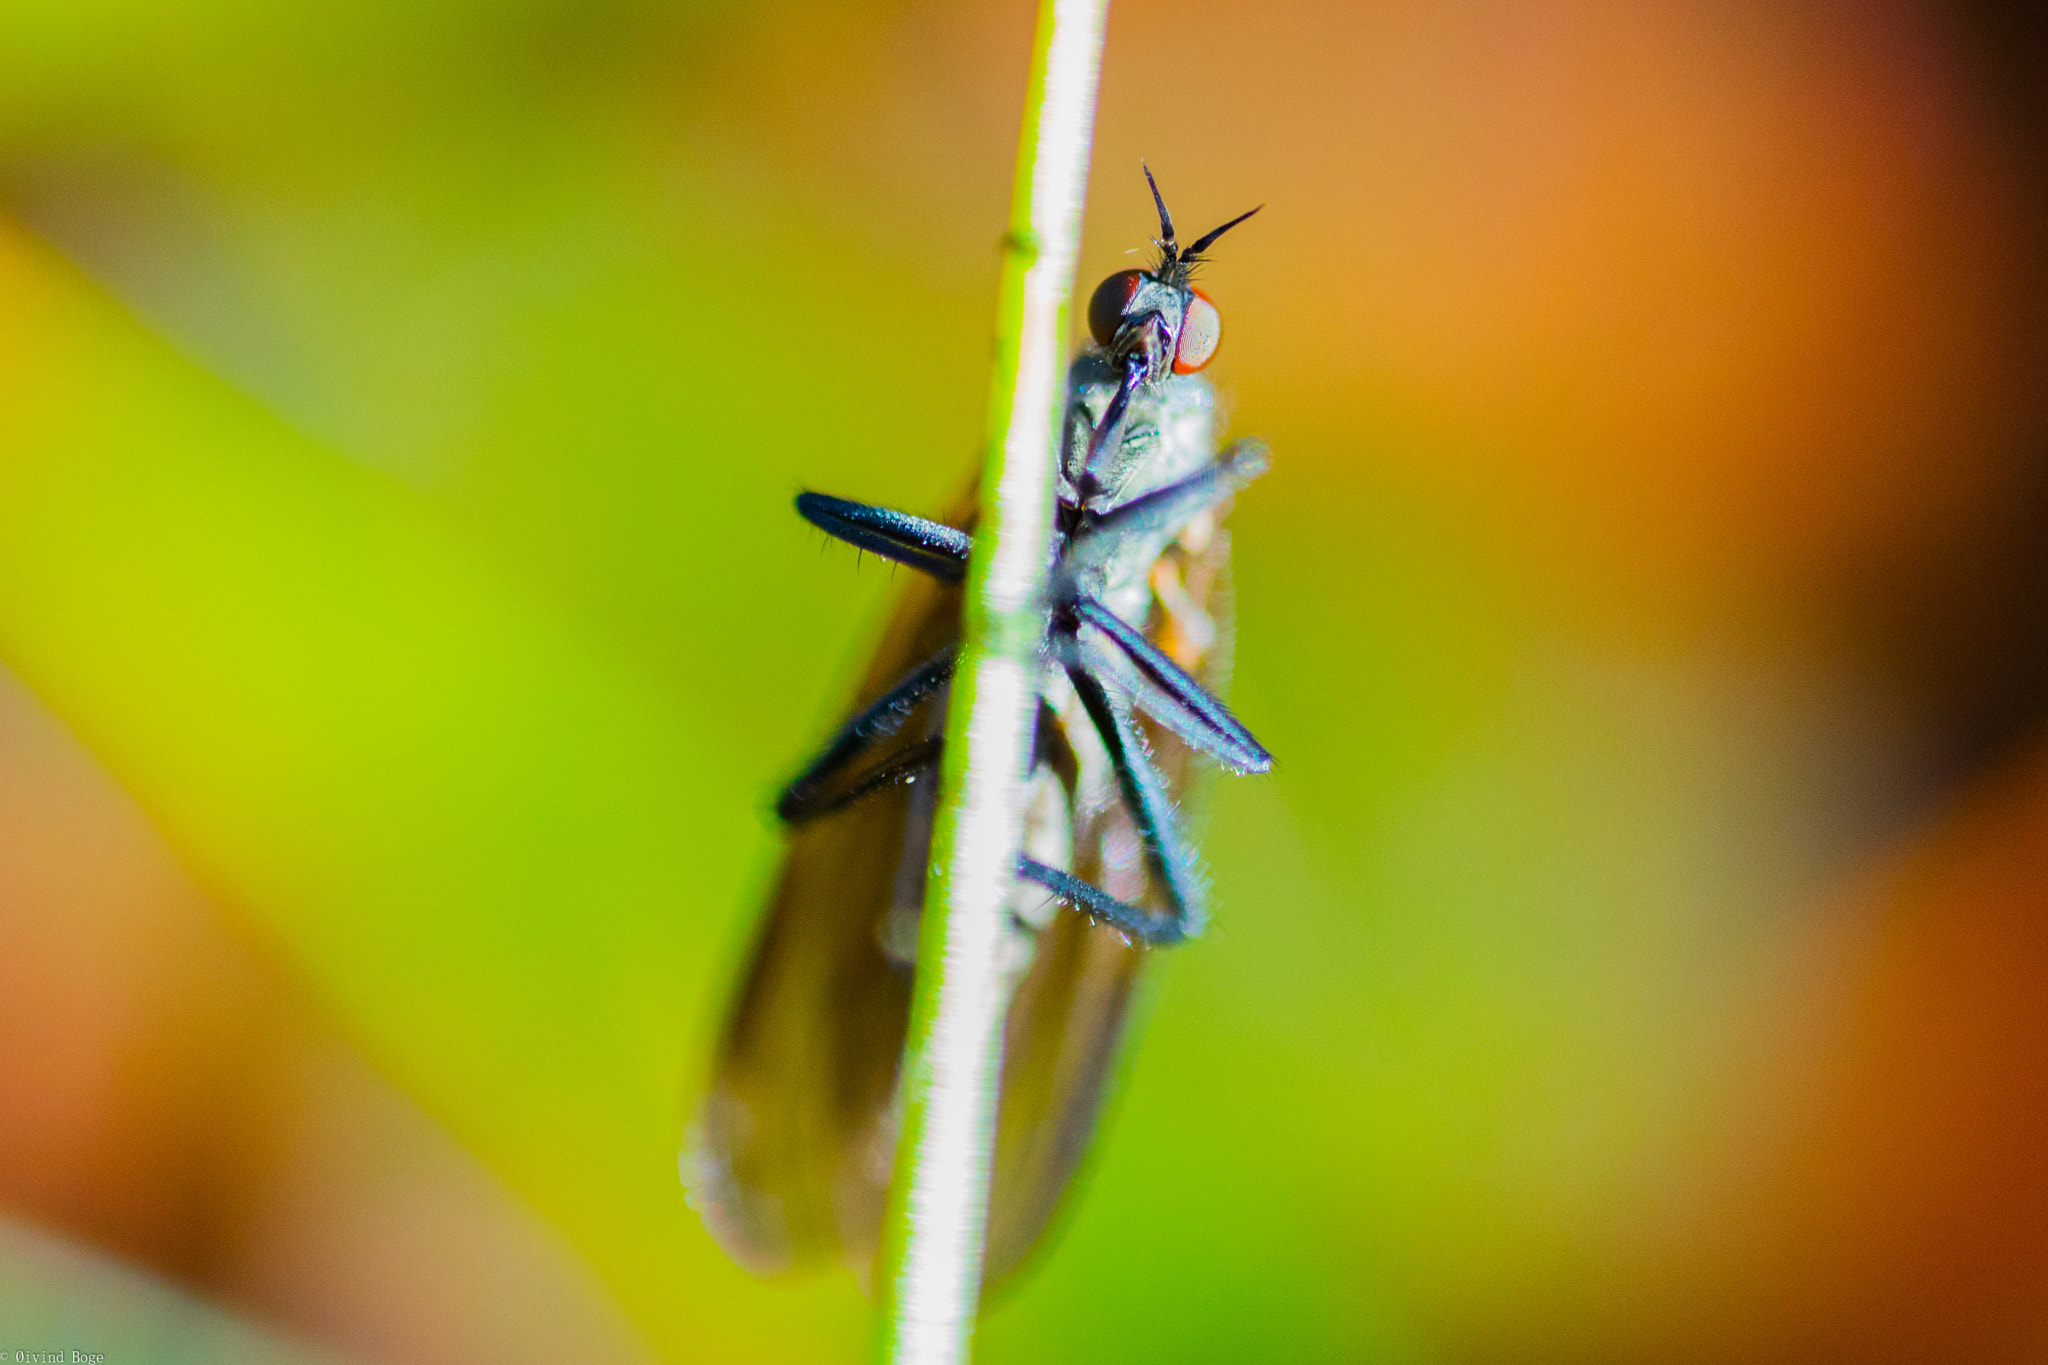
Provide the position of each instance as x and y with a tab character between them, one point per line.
797	1136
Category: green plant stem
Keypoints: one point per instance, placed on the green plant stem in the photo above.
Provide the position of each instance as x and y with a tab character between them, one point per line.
938	1206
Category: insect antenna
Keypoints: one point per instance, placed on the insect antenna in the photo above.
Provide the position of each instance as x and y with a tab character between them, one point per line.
1176	262
1169	252
1193	255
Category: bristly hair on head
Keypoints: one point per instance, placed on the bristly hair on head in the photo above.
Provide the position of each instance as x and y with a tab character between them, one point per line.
1176	266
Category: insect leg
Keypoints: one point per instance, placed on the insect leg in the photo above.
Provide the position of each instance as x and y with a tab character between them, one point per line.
1163	690
1109	432
899	769
1166	510
1144	793
928	546
1151	927
805	798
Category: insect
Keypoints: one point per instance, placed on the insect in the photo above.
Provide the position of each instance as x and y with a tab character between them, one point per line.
797	1138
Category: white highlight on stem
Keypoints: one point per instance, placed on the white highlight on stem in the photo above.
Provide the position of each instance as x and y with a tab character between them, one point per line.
933	1240
938	1281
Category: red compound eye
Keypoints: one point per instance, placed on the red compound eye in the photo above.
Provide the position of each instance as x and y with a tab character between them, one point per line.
1200	330
1106	309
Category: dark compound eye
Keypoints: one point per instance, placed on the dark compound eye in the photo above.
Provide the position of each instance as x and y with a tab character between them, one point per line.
1106	309
1200	330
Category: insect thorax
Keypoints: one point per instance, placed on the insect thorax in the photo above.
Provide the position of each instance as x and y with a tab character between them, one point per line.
1170	433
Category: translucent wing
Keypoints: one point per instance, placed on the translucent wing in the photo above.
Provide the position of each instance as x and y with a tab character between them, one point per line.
797	1136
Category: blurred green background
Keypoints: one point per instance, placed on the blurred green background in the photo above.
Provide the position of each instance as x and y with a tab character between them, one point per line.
1639	953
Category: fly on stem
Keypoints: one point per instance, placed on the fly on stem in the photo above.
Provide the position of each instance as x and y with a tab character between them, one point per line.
984	855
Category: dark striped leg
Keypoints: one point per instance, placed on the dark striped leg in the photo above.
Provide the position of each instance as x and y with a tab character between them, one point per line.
1108	435
929	546
899	770
1144	793
1166	510
1150	927
809	795
1163	690
921	760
